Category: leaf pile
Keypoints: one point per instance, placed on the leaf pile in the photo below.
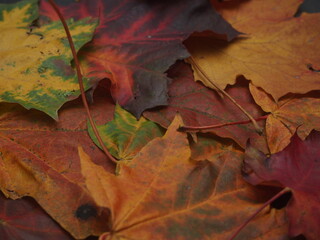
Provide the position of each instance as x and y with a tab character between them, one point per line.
211	110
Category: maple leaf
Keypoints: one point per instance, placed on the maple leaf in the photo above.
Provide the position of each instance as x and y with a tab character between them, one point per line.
125	136
288	115
39	158
277	53
24	219
35	63
200	106
163	194
296	167
137	41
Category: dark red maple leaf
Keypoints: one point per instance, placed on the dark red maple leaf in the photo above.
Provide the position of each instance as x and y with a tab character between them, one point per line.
24	219
201	106
296	167
137	41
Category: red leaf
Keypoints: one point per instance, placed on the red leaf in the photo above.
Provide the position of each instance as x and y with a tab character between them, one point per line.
24	219
200	106
39	158
296	167
137	41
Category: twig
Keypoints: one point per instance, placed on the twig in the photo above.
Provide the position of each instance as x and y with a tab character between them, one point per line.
199	128
258	129
83	96
283	191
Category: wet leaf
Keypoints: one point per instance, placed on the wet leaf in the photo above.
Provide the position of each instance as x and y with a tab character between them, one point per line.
277	53
137	41
296	167
35	62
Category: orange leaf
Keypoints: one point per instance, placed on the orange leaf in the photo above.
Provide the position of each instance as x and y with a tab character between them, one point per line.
289	115
39	158
163	194
277	53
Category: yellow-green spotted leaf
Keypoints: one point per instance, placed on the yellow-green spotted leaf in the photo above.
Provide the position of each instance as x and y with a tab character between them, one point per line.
35	68
125	136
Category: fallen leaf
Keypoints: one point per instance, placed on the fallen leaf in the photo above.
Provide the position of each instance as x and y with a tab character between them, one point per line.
125	136
137	41
200	106
24	219
35	63
288	115
163	194
39	158
276	54
296	167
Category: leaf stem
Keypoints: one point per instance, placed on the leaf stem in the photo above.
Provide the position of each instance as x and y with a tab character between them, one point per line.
80	80
256	126
283	191
199	128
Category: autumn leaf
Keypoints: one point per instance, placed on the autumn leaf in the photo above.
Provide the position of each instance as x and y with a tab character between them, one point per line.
288	115
39	158
35	62
277	53
125	136
296	167
163	194
200	106
137	41
24	219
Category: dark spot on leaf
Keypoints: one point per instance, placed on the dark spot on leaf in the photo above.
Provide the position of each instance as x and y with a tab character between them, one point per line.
309	66
299	237
86	211
281	201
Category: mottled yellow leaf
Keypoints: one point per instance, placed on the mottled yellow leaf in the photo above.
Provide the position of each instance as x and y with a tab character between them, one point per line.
35	68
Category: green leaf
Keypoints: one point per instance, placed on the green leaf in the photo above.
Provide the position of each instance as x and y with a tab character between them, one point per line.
35	68
125	136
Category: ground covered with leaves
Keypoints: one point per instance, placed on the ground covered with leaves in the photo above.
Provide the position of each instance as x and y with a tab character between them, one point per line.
205	120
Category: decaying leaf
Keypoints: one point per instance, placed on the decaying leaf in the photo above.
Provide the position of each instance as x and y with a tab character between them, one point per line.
276	53
163	194
39	158
301	114
296	167
35	68
125	136
137	41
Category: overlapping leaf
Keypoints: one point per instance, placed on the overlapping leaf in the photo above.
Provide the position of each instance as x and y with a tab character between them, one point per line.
137	41
278	53
200	106
163	194
24	219
125	136
296	167
35	63
301	114
39	158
